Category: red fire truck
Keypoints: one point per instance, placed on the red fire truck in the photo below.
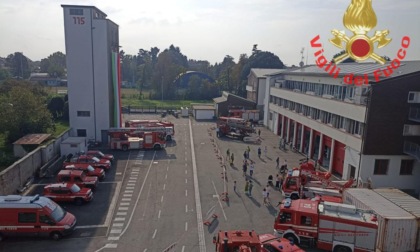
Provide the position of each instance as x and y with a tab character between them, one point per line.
137	138
306	182
234	127
327	225
169	127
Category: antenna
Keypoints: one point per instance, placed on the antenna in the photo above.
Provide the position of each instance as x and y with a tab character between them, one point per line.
301	63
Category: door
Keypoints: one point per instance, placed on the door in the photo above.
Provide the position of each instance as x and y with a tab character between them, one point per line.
338	158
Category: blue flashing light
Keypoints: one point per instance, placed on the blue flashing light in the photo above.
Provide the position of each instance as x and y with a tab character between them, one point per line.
287	203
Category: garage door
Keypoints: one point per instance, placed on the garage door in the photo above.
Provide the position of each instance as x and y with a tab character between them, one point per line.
204	114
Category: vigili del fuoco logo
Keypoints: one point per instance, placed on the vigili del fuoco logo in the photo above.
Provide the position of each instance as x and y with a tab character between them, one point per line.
360	19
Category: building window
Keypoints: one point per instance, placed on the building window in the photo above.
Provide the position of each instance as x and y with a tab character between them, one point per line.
26	217
411	96
381	167
83	113
76	12
271	116
81	133
406	167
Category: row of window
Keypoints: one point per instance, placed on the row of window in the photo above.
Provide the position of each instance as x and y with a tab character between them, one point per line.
318	89
345	124
382	165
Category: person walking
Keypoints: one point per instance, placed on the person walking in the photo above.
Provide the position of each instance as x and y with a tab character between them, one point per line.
245	155
246	187
250	188
232	159
264	193
259	152
267	189
228	153
265	151
277	162
244	168
259	132
251	168
285	164
234	186
248	150
277	182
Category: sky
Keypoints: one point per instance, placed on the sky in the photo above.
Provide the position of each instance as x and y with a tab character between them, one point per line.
209	29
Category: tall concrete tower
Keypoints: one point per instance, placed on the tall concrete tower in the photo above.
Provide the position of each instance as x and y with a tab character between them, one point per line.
93	75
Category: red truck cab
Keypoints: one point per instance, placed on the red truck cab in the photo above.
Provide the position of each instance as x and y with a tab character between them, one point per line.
100	155
272	243
68	192
77	177
88	169
86	159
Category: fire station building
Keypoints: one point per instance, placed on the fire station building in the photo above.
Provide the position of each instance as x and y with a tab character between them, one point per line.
368	132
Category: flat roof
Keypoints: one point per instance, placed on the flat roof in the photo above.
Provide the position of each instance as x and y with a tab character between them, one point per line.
84	7
401	199
32	139
203	107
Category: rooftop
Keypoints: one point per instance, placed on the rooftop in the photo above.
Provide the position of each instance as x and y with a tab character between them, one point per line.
262	72
32	139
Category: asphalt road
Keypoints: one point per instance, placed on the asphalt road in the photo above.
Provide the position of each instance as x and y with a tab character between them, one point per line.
159	200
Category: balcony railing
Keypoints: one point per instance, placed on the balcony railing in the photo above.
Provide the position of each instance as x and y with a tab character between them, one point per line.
412	149
414	114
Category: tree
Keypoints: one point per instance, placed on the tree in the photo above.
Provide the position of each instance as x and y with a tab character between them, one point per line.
56	106
4	74
54	65
23	112
19	65
348	60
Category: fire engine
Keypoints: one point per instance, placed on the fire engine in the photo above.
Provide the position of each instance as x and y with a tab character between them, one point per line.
234	127
241	240
327	225
306	182
169	127
137	138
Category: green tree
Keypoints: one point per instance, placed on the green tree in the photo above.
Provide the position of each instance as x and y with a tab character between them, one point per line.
54	65
24	112
56	106
19	65
348	60
4	74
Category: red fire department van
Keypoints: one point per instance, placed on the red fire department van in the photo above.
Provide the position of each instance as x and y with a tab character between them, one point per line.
34	216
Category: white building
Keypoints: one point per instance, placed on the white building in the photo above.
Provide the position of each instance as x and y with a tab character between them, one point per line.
92	45
365	132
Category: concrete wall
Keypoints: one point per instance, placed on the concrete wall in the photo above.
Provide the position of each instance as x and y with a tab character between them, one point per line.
16	175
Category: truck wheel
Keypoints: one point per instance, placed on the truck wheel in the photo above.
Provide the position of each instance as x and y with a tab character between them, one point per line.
124	147
55	236
292	238
294	196
78	201
342	249
168	138
157	147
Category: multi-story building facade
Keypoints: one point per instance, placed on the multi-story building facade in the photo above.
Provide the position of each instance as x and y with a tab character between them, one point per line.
92	45
369	132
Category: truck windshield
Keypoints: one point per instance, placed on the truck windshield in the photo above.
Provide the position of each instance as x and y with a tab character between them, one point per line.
95	159
74	188
90	168
58	214
100	153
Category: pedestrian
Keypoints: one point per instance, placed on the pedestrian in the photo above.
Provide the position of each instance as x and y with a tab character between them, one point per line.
245	155
217	132
234	186
228	153
248	150
250	188
259	132
277	162
259	152
285	164
251	168
264	193
265	150
277	182
244	168
267	189
231	159
246	187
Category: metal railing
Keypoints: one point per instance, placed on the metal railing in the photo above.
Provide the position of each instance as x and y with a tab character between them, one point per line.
412	149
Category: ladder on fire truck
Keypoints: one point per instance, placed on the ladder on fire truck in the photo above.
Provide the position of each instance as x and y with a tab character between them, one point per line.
137	129
325	181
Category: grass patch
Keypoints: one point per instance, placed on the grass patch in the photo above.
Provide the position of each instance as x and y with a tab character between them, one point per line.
60	127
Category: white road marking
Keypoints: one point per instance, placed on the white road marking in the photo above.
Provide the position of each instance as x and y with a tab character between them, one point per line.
186	193
118	173
117	224
131	184
183	248
128	191
144	250
119	219
134	172
127	195
123	209
154	234
90	226
121	213
159	214
116	231
130	188
161	199
167	168
186	181
164	186
218	199
126	199
186	208
186	226
113	238
136	169
124	203
147	200
201	239
111	245
166	176
132	181
186	170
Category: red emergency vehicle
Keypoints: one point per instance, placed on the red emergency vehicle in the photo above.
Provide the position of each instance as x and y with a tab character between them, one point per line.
306	182
327	225
77	177
137	138
68	192
100	155
168	126
88	170
86	159
34	216
234	127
